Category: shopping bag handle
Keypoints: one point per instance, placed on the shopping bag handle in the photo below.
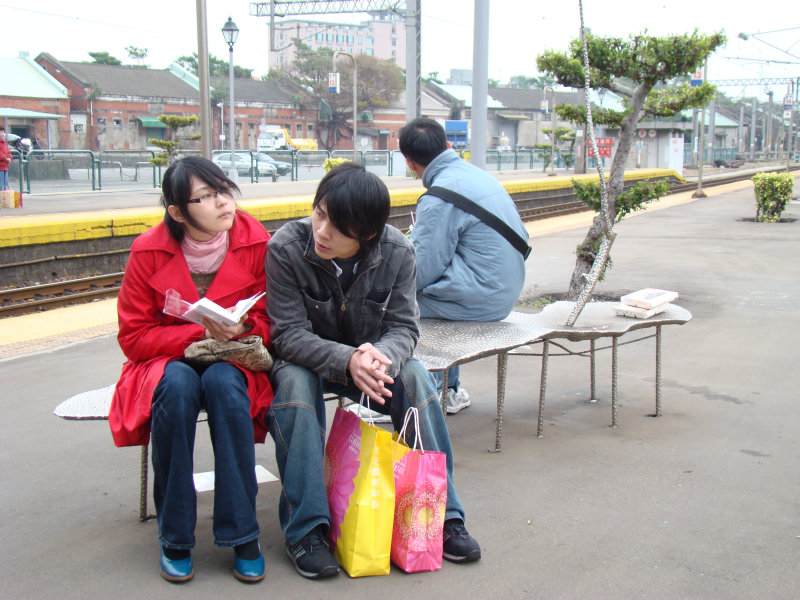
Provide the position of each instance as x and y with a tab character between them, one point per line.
370	419
412	412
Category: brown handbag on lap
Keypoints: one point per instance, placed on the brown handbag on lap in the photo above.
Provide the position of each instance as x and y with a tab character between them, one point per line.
248	352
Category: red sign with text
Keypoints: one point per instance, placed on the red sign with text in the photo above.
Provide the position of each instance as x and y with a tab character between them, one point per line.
604	146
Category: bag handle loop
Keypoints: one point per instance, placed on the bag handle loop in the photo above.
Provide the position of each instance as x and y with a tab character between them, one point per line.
412	412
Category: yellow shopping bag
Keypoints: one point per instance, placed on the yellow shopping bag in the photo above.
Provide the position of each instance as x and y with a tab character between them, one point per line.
360	484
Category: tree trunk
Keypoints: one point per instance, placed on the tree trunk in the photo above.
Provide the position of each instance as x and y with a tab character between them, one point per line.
588	248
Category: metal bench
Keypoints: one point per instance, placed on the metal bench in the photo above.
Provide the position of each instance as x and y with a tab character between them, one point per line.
94	406
444	344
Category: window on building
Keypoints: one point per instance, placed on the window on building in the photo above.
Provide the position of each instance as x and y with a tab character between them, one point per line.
132	122
360	40
328	37
339	37
394	42
320	37
369	52
288	127
310	129
101	120
117	121
299	128
369	41
349	39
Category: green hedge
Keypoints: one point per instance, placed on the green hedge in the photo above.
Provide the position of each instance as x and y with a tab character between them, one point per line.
773	192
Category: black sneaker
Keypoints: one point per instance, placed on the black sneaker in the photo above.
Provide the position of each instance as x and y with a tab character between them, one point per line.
312	556
459	546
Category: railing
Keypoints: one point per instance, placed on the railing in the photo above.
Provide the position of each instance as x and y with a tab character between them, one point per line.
50	171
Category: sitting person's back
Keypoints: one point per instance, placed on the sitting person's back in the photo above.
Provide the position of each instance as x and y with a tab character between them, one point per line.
466	271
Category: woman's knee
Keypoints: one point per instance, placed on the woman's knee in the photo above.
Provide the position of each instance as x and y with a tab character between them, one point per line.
178	392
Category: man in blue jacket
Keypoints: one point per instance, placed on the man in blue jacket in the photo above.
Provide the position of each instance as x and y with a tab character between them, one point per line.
466	271
340	297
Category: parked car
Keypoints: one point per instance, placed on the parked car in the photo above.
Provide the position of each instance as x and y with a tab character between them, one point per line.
246	165
283	167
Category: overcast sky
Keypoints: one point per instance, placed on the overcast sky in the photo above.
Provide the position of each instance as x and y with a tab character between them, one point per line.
519	31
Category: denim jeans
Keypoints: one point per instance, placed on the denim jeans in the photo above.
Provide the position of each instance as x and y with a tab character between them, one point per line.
453	380
4	180
296	421
221	390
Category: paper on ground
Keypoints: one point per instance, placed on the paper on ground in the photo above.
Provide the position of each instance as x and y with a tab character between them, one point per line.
204	482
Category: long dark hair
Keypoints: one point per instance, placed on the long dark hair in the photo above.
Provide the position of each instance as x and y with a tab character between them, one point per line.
176	189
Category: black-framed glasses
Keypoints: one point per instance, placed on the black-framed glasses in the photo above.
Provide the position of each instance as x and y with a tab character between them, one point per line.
208	198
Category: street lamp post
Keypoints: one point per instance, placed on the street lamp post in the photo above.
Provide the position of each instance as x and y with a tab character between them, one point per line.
336	55
230	32
552	132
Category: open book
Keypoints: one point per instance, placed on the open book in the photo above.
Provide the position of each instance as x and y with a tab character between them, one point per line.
173	305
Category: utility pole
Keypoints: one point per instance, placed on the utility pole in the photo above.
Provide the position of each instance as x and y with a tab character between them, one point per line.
480	82
206	116
753	125
769	125
413	59
699	193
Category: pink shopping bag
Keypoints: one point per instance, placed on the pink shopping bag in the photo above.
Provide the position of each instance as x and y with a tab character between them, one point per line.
420	479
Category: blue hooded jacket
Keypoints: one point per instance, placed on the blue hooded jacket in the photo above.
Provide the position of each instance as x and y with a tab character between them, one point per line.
466	271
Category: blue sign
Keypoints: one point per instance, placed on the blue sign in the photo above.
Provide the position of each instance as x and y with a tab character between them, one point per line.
697	78
333	83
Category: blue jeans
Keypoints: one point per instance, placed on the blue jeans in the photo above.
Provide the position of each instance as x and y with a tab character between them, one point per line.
453	380
4	180
221	390
296	421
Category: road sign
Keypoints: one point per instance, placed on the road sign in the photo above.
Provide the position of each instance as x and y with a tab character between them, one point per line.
697	78
787	103
333	83
544	106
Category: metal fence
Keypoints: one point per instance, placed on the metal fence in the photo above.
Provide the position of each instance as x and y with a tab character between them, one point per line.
51	171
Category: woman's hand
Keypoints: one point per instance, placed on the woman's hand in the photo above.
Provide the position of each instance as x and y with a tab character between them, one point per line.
223	333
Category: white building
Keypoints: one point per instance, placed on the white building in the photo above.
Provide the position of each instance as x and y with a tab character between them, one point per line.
383	36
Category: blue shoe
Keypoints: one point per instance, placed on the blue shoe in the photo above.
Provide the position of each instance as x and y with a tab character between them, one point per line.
176	571
249	571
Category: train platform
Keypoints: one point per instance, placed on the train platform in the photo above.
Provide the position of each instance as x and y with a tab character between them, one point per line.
699	503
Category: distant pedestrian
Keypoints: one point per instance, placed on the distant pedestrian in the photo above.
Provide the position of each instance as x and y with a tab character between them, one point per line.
5	159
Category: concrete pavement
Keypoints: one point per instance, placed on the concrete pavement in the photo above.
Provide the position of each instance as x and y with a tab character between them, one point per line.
700	503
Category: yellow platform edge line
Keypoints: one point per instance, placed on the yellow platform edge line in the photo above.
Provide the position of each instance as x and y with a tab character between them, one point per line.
69	227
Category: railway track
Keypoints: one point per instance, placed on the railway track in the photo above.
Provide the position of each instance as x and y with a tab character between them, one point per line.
56	294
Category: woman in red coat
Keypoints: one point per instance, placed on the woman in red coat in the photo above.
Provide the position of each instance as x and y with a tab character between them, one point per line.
204	247
5	159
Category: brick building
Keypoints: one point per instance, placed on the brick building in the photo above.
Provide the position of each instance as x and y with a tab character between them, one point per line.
33	104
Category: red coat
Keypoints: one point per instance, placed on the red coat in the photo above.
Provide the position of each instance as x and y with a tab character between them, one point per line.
150	339
5	154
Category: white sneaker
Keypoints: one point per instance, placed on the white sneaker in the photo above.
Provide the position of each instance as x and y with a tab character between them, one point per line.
366	414
456	400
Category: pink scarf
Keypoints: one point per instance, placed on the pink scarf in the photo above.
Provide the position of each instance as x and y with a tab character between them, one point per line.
205	257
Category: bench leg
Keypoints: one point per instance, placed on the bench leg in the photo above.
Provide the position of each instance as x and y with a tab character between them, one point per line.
143	486
592	371
614	381
658	371
542	387
502	364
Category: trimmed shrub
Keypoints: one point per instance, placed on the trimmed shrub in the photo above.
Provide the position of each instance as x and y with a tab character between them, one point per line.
332	163
773	192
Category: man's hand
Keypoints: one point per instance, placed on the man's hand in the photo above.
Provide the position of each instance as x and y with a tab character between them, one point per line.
367	367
